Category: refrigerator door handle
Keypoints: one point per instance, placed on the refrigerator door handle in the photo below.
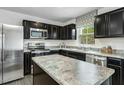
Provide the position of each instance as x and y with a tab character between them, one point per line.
2	52
3	56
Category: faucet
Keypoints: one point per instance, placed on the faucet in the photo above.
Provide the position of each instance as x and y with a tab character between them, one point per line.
62	45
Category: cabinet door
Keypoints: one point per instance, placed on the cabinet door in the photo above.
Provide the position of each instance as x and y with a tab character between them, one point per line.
116	23
58	33
63	52
100	26
116	78
54	32
27	63
81	56
26	29
71	33
61	34
35	24
65	33
44	26
49	32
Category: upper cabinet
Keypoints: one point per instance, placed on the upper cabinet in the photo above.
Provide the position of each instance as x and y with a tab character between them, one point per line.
26	29
109	24
31	24
100	26
116	23
68	32
61	33
71	32
55	32
38	25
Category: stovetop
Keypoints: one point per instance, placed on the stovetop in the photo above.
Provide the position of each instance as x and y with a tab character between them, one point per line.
40	50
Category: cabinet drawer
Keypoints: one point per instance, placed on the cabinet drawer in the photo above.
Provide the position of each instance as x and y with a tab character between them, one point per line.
114	61
76	55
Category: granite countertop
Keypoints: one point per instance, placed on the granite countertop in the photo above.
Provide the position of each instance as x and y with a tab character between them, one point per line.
69	71
87	52
96	53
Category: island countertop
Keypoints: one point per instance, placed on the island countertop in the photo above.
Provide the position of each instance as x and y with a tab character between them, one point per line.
69	71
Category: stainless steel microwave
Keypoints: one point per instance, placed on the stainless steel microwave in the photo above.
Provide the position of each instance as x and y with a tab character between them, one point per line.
38	33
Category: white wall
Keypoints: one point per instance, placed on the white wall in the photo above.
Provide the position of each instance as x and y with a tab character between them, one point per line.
69	22
14	18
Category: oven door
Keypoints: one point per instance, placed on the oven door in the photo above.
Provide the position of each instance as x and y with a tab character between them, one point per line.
36	34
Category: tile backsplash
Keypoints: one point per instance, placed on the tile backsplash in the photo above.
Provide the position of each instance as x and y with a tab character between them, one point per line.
116	44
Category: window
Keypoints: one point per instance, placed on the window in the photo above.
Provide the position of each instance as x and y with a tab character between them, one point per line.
85	27
87	34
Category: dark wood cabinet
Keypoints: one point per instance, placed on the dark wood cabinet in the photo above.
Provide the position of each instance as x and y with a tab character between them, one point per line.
63	52
116	23
110	24
26	29
81	56
77	55
55	32
49	32
73	54
61	33
71	32
118	66
31	24
116	78
27	63
100	26
37	25
53	52
40	77
68	32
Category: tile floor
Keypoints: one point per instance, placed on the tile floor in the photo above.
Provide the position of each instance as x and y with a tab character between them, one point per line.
27	80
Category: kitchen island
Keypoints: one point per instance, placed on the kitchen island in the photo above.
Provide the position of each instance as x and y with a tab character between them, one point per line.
59	69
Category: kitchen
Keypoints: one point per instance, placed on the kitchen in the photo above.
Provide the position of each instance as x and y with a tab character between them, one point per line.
83	49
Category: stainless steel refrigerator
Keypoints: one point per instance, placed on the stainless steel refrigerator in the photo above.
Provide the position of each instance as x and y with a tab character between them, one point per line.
11	53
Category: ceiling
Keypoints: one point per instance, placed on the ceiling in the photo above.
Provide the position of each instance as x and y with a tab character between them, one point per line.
60	14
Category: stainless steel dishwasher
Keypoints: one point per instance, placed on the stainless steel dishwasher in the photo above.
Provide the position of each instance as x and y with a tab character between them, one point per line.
99	60
95	59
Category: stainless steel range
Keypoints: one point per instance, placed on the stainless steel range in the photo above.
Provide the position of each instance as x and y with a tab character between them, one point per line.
38	49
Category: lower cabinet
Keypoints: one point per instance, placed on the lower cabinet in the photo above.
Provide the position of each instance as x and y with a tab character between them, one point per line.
27	63
40	77
63	52
118	66
72	54
53	52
